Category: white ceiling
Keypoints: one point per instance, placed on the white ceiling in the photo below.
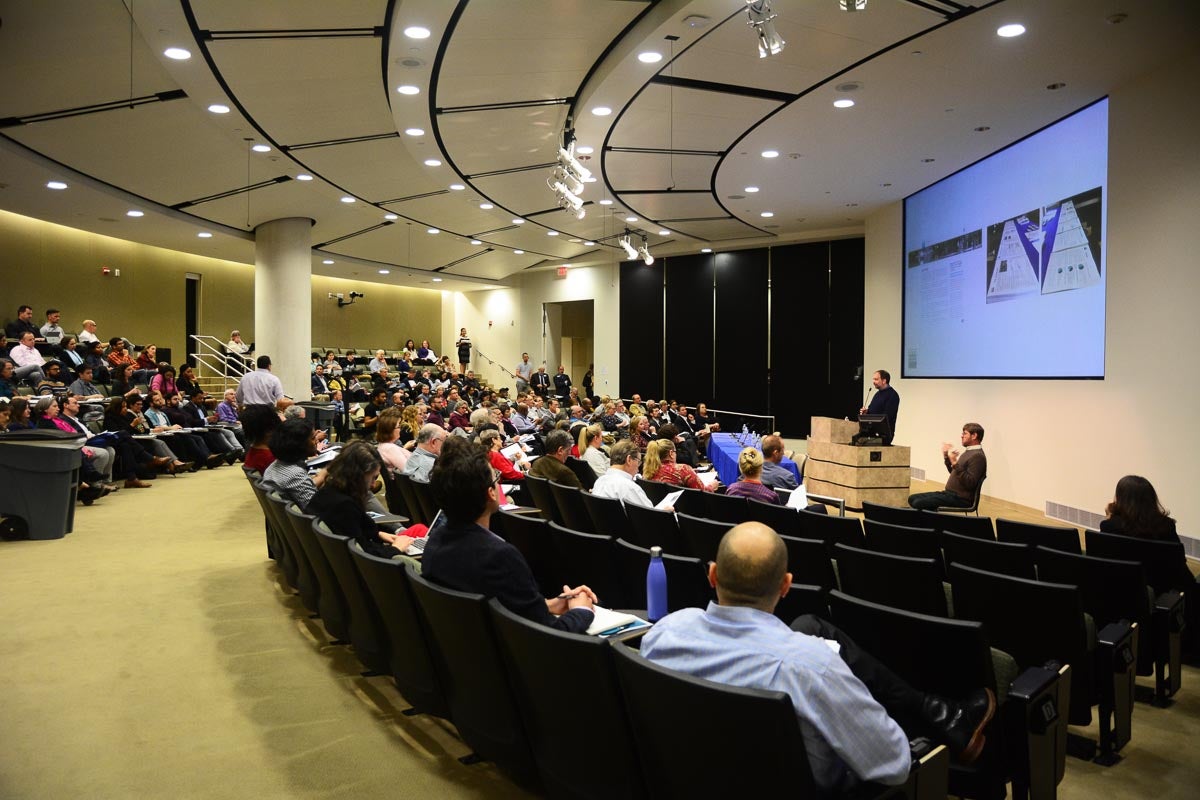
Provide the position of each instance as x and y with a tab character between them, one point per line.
499	80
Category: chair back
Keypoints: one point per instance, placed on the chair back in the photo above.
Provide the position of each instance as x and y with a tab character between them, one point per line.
543	498
608	515
894	515
574	513
674	717
395	498
276	548
1111	590
781	519
411	659
656	490
331	603
424	493
303	581
725	508
474	676
583	470
1053	536
1161	560
552	704
701	536
830	529
588	558
808	561
802	599
912	584
963	525
367	631
411	501
649	527
1007	559
973	508
691	501
901	540
687	578
532	537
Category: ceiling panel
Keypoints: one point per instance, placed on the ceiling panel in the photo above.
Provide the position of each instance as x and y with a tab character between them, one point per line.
715	230
378	170
308	90
484	141
658	171
392	245
291	199
674	206
221	15
700	120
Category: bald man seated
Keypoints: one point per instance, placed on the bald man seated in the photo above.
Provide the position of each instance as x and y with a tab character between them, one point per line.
855	714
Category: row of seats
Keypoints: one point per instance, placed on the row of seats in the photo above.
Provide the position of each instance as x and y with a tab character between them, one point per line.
463	658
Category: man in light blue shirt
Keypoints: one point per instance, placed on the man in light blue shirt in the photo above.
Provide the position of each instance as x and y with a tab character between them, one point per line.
838	691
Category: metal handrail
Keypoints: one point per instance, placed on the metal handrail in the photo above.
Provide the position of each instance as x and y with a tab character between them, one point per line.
214	357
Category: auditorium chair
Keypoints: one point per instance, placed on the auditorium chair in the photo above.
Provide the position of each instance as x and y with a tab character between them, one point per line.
650	527
701	536
1026	740
608	515
1054	536
583	470
394	496
367	632
552	706
589	559
781	519
468	661
411	663
656	490
331	603
543	498
699	739
894	515
532	537
1038	623
274	547
973	508
1163	561
690	501
830	529
409	494
571	509
724	508
424	493
963	525
809	562
303	581
910	584
1007	559
687	578
1115	590
901	540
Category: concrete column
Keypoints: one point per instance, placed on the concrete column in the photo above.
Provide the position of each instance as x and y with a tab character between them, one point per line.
283	300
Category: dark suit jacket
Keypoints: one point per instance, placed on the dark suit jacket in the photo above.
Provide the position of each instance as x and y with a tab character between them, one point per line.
471	558
540	382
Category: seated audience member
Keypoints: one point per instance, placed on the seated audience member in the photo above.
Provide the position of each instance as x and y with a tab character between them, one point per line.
72	356
83	387
411	421
319	384
88	334
425	355
28	360
164	381
42	411
434	417
19	415
967	468
22	324
659	465
460	418
619	482
493	441
375	407
94	357
136	425
1136	511
185	380
97	462
227	410
8	381
851	708
203	417
292	443
463	554
379	362
236	350
705	424
123	455
425	454
590	439
190	447
52	381
5	413
117	354
774	474
750	465
685	446
134	461
344	498
148	359
640	432
521	421
553	465
387	432
258	423
122	380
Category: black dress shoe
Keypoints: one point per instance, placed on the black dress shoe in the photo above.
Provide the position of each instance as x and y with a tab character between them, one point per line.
214	461
959	725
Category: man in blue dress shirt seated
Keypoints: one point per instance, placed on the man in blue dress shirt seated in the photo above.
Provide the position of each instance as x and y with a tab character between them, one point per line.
849	705
463	554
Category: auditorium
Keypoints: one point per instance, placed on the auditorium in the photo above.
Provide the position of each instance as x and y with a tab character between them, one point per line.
753	205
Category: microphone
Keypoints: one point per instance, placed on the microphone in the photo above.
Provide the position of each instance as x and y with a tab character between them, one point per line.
868	397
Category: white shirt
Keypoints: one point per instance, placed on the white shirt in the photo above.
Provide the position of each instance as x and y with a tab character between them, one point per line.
619	485
24	356
596	459
259	388
86	337
237	347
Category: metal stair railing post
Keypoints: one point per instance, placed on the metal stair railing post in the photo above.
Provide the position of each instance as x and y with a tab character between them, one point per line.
211	356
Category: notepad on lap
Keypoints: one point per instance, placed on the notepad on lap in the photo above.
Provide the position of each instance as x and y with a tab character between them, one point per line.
608	622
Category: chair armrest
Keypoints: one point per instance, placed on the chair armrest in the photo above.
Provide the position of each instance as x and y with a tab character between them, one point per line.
1035	730
1117	638
1169	606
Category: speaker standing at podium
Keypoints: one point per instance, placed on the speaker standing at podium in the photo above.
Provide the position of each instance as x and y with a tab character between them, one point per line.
886	401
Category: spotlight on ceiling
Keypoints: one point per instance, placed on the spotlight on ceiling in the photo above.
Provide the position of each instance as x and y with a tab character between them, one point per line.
644	252
852	5
760	16
631	252
569	176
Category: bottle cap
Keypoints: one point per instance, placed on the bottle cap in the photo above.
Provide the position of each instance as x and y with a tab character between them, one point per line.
656	552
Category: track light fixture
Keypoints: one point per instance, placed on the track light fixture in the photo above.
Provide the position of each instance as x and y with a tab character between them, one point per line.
644	252
631	252
760	16
852	5
569	176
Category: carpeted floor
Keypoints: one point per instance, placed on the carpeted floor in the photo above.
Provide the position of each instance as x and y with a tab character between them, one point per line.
153	653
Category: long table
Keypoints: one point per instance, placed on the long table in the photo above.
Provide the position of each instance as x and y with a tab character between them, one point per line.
723	451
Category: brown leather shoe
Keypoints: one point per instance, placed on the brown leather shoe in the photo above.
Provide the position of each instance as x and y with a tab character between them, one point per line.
134	483
161	464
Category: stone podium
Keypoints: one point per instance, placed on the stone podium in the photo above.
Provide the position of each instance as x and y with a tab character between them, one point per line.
836	468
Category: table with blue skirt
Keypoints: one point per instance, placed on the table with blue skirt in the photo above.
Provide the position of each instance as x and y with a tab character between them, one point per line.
723	451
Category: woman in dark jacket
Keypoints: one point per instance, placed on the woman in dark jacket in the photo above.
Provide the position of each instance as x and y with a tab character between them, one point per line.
1136	511
341	502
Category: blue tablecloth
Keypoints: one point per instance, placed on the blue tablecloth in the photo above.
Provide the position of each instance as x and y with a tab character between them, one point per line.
723	450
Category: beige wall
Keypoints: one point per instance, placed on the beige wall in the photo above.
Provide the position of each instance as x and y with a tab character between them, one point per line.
1069	441
386	317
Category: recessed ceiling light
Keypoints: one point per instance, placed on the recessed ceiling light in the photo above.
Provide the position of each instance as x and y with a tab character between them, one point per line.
414	131
767	214
983	128
1010	30
416	32
408	88
843	102
770	153
177	54
347	199
56	185
433	231
927	160
304	176
476	241
219	108
590	244
649	57
750	189
585	150
437	280
486	206
631	219
552	233
390	216
1054	87
664	232
456	187
327	261
606	202
518	221
204	235
432	162
261	148
135	213
385	272
601	111
519	252
706	250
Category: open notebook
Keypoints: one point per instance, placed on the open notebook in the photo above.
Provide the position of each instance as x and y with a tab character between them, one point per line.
610	623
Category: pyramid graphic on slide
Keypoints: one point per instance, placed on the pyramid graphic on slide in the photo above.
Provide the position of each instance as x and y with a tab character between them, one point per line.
1015	273
1067	259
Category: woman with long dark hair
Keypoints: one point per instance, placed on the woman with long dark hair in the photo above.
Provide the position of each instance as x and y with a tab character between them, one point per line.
341	502
1136	511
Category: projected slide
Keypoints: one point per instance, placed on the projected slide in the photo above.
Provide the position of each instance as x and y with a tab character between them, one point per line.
1005	260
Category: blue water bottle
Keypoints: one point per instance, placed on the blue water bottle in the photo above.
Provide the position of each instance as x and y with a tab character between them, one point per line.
656	586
